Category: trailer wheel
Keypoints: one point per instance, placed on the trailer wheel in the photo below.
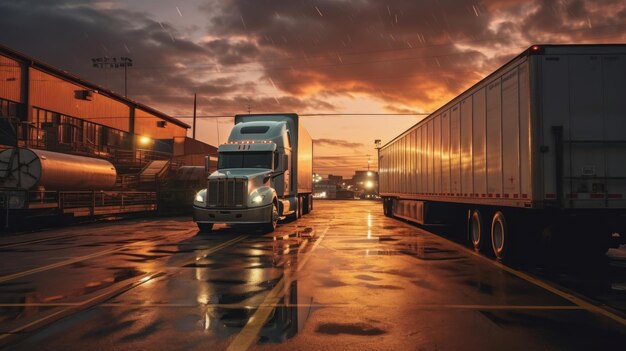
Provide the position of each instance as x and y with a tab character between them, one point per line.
387	207
273	220
500	237
478	232
384	206
306	206
205	227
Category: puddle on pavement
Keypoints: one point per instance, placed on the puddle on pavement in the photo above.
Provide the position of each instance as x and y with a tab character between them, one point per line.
242	275
361	329
139	258
382	286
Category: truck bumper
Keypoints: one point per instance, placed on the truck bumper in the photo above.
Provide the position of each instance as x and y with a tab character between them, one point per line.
254	215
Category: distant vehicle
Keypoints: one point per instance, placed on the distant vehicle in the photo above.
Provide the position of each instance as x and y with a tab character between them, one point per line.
265	173
534	153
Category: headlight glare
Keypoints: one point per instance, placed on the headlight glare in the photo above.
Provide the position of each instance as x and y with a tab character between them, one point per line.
199	197
257	199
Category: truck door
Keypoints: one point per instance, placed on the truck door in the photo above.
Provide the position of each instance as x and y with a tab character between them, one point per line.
287	178
588	129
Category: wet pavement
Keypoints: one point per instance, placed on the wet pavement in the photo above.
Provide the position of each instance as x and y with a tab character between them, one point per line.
344	277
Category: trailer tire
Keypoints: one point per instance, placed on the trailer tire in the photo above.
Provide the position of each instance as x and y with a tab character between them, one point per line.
306	206
205	227
479	235
273	220
501	238
387	207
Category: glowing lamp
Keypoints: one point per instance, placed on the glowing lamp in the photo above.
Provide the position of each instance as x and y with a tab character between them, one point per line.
144	140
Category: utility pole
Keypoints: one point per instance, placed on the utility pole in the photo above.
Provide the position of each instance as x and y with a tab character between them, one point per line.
194	116
113	62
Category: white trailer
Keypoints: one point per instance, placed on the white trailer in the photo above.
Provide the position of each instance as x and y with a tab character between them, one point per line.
536	150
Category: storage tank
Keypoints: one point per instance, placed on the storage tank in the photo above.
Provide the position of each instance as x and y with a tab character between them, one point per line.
32	169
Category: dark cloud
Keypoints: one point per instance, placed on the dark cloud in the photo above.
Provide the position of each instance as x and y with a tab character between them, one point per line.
337	143
168	69
402	56
417	53
229	53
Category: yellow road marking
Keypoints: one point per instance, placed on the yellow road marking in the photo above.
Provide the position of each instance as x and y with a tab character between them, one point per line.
249	334
76	259
536	281
59	264
200	254
106	294
36	241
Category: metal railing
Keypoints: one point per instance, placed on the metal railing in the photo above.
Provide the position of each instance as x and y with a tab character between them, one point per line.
91	200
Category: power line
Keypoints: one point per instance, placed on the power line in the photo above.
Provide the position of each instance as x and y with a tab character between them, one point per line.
320	115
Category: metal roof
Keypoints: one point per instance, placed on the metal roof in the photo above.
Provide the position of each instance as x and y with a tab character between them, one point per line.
32	62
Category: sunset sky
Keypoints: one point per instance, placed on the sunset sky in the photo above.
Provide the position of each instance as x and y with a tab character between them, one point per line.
308	57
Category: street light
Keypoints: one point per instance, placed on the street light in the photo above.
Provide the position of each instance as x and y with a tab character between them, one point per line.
113	62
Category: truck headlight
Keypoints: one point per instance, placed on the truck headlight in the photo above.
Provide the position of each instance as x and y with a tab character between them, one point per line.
257	199
200	196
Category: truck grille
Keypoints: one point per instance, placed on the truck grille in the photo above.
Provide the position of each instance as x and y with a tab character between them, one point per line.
227	192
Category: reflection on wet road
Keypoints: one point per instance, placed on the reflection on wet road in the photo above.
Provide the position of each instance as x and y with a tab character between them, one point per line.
344	277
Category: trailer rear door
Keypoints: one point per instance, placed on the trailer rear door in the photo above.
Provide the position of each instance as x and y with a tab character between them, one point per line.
584	129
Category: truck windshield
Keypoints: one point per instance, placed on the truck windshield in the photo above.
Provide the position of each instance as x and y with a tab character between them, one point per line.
245	160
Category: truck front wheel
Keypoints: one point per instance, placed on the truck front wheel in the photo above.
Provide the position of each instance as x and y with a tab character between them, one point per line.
205	227
273	220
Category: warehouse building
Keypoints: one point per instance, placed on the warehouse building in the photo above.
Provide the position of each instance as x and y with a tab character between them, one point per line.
44	107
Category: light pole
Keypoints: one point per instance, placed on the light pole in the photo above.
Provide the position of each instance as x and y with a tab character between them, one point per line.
114	62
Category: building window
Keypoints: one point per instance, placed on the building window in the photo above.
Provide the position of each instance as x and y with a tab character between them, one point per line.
8	108
8	127
53	130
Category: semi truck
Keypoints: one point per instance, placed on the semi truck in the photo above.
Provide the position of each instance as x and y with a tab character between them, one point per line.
264	174
532	157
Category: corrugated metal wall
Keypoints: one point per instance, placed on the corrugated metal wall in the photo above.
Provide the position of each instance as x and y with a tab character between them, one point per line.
55	94
10	79
146	125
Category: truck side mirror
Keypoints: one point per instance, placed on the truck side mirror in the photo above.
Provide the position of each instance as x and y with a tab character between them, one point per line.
207	162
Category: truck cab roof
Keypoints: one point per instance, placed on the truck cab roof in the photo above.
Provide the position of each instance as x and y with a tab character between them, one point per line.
266	131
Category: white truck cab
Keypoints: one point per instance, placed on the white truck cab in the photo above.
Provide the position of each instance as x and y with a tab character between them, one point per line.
264	173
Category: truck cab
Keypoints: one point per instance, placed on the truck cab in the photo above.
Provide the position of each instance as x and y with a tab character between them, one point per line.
253	182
